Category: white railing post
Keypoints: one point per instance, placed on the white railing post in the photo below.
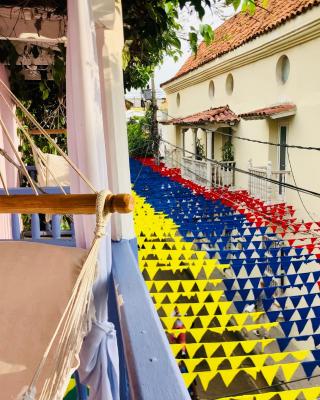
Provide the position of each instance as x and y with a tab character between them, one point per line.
250	179
209	174
268	183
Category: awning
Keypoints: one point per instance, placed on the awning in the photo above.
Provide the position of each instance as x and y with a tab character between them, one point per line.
214	115
273	112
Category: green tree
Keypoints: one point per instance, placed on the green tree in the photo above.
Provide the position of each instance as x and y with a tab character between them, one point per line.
152	31
139	136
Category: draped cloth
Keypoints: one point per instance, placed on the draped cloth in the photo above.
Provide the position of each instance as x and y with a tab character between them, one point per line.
86	144
8	171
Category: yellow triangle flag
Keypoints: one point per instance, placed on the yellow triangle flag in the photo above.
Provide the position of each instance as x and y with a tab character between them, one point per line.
300	355
151	272
211	348
189	378
311	393
205	378
269	372
214	363
158	297
291	394
191	363
173	297
187	321
198	333
251	371
258	360
236	361
228	347
195	270
192	348
249	345
240	318
205	320
266	342
223	319
224	306
187	285
197	307
175	348
289	370
228	375
211	308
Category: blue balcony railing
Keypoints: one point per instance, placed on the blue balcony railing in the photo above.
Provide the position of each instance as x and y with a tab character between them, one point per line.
148	369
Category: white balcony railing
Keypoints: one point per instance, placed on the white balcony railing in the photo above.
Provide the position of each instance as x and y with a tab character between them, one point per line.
204	173
263	189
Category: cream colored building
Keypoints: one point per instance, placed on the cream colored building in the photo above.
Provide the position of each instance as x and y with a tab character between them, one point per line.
254	64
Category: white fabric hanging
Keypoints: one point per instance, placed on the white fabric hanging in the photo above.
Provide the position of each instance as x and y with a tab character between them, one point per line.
9	172
87	149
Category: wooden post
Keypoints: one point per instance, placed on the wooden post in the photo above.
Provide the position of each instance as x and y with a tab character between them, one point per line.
64	204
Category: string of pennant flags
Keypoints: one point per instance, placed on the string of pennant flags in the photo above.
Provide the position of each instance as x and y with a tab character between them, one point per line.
207	258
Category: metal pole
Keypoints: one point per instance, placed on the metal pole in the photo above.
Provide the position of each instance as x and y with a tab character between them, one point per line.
154	126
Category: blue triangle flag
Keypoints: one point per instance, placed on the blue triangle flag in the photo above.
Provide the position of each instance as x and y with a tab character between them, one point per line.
286	327
301	325
287	314
309	367
283	343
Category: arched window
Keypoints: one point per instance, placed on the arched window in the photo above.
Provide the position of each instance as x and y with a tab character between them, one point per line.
283	69
211	89
178	99
229	84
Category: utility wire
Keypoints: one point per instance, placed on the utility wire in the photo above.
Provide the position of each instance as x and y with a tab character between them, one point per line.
242	171
295	182
268	387
266	216
293	146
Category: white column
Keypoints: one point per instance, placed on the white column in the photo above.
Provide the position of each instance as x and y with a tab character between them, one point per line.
194	142
209	155
209	144
85	125
109	46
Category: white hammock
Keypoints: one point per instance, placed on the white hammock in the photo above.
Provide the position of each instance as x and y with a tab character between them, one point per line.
46	297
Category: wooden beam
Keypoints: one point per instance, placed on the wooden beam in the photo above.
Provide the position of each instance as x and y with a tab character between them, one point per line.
48	131
63	204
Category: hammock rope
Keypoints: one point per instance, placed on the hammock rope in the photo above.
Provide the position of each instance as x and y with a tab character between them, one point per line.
18	103
76	321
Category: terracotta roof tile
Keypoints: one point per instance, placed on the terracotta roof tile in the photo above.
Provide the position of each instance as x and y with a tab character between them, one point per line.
219	114
268	111
242	28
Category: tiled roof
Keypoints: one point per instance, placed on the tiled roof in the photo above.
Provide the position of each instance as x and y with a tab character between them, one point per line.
219	114
269	111
243	28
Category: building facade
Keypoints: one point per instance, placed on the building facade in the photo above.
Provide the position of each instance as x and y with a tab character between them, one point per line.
258	80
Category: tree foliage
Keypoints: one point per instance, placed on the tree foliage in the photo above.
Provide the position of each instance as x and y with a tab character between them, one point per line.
151	31
139	136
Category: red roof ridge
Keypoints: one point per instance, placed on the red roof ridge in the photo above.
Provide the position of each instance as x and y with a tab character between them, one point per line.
242	28
262	113
222	114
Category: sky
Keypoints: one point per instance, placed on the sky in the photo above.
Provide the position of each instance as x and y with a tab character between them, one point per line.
169	67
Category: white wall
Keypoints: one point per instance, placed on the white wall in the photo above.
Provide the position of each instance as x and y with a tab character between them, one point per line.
256	86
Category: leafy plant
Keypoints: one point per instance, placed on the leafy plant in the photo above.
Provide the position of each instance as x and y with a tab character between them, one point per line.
227	151
139	136
200	151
